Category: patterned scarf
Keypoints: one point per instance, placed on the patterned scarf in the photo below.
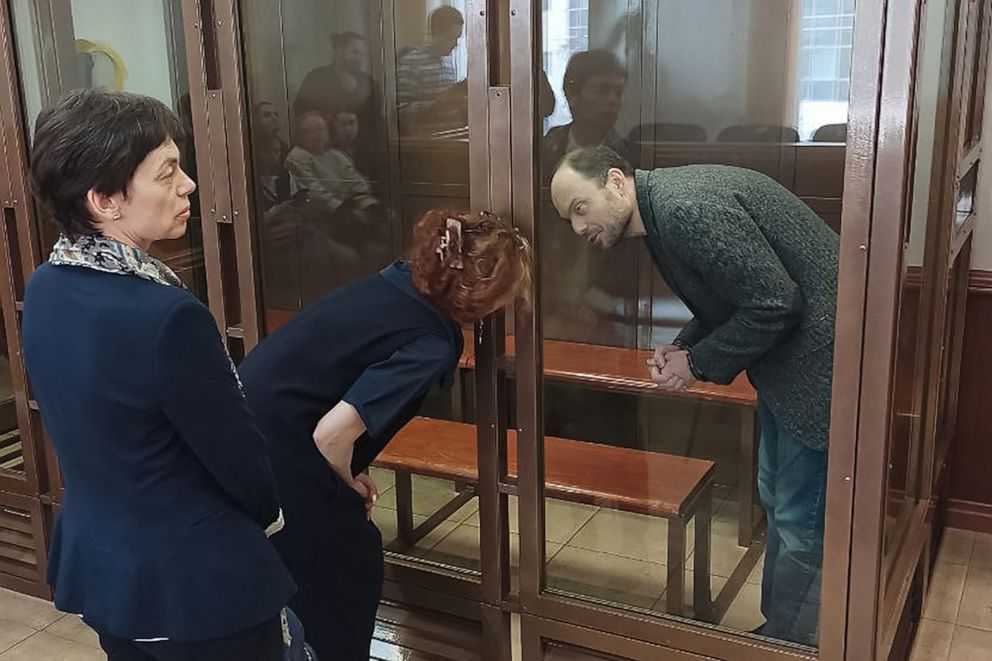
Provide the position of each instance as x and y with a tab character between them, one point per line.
102	254
111	256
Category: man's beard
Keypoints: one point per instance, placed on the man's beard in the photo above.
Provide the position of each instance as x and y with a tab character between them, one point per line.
617	230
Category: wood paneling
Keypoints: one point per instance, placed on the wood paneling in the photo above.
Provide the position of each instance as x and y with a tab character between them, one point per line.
970	503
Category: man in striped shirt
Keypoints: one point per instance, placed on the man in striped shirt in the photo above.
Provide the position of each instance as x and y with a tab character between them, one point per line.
425	77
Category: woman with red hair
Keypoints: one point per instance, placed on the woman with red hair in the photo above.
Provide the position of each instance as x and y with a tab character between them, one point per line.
334	385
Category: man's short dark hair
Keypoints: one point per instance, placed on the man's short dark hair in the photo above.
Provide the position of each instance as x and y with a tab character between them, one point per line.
444	18
595	162
585	64
94	140
344	39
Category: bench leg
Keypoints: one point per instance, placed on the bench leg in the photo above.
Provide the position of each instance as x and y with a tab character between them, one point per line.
702	598
404	508
456	396
674	595
747	479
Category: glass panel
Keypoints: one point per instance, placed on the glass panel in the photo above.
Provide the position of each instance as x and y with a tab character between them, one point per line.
911	340
146	58
667	510
978	77
359	124
957	295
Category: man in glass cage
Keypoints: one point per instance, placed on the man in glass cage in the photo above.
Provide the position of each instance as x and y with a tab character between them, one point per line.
758	270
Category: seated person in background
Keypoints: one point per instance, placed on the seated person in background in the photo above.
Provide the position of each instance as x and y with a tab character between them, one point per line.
335	384
328	174
338	198
428	94
344	86
270	150
594	84
274	181
344	131
266	128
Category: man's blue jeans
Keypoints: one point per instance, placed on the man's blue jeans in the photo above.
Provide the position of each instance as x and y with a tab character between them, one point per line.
792	482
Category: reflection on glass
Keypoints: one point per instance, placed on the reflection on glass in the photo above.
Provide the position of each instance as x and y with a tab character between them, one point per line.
739	264
146	58
904	459
429	95
358	125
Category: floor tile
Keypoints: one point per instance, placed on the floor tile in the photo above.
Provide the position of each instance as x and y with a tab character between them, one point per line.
429	495
745	613
72	627
981	551
976	602
933	641
971	644
758	572
24	609
384	479
625	534
716	584
562	519
512	515
12	632
946	588
551	549
459	548
725	554
955	547
613	578
385	520
46	647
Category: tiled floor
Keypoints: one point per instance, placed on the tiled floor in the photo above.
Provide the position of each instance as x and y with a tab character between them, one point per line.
32	630
606	554
591	551
957	620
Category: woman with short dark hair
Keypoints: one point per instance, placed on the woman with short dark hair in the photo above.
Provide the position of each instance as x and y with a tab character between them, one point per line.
160	544
335	384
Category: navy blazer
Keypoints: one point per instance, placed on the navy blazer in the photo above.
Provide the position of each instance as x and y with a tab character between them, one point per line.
167	485
376	343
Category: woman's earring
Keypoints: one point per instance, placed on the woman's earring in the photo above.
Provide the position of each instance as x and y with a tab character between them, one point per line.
117	215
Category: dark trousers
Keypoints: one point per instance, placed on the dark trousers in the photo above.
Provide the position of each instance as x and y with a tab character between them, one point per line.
335	556
261	643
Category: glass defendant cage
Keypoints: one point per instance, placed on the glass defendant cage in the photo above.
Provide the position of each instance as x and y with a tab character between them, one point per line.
577	511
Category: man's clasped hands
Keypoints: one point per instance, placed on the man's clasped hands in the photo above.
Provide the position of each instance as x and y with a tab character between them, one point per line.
670	368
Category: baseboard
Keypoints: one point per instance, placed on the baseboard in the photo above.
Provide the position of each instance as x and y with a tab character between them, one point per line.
980	282
25	586
969	515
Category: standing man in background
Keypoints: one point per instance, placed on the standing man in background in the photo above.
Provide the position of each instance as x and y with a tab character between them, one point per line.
344	86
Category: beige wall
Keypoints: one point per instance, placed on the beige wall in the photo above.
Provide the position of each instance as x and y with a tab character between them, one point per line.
142	45
726	62
981	256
